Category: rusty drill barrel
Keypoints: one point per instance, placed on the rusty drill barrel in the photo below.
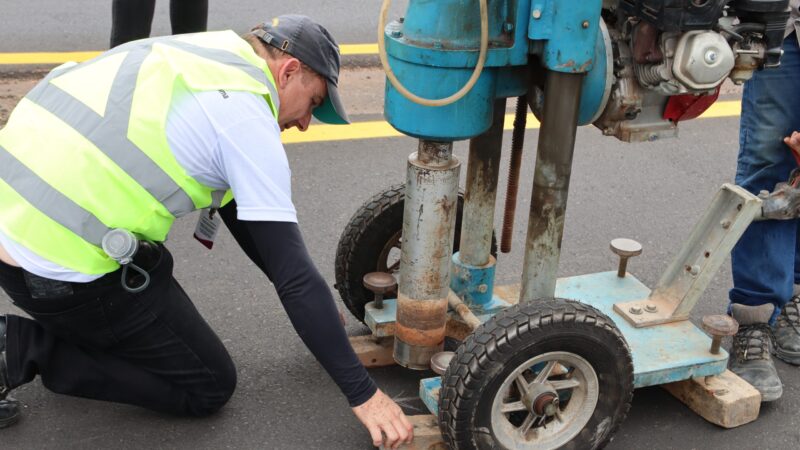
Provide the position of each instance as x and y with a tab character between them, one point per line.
428	225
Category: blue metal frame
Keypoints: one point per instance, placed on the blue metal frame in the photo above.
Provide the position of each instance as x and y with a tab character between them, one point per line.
661	354
474	285
569	29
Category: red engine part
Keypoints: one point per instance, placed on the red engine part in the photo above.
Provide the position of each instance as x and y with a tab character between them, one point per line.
688	106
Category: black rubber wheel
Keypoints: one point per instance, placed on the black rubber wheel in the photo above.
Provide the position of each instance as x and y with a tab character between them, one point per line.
546	374
371	242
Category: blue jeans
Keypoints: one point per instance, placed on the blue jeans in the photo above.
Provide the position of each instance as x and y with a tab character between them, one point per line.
766	261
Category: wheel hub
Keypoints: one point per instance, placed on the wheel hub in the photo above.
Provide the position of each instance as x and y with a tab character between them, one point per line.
546	405
541	400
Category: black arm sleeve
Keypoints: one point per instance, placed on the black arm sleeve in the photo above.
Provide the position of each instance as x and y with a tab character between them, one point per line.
278	249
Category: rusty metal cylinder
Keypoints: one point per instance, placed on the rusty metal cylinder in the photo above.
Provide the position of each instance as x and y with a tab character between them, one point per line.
483	166
551	185
428	225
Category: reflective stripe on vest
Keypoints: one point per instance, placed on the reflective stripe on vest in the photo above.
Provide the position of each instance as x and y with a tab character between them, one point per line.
48	200
109	134
138	152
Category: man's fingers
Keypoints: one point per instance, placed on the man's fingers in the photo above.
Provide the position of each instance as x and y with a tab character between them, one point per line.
404	427
386	422
402	432
377	437
793	143
391	435
408	426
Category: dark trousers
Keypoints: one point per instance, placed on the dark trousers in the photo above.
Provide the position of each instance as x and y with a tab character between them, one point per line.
95	340
132	19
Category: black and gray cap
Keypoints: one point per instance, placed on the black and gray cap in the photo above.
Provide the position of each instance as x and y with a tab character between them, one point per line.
311	43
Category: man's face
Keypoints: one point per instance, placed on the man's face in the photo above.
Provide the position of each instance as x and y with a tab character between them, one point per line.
300	90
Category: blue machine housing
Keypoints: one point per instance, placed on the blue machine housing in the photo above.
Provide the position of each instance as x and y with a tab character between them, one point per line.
434	58
435	50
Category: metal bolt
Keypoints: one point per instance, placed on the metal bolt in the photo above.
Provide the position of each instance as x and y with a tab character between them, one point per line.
625	248
537	14
725	224
763	193
651	308
694	270
482	288
719	326
437	44
635	310
379	283
711	57
585	24
509	27
401	20
396	34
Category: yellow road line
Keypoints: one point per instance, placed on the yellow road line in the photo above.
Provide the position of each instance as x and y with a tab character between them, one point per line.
62	57
730	108
45	57
358	49
382	129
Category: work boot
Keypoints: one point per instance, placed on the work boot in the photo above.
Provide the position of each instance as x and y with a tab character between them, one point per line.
9	408
787	332
750	353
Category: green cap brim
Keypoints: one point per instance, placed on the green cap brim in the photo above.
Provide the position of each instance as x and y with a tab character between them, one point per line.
332	110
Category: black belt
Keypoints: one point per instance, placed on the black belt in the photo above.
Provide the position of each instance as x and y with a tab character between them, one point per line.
147	258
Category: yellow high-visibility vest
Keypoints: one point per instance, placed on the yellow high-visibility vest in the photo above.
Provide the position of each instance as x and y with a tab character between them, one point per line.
86	150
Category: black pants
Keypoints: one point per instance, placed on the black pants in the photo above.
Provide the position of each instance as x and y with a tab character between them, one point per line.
132	19
95	340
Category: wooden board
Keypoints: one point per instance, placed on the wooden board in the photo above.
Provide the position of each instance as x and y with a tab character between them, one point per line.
373	352
725	400
426	434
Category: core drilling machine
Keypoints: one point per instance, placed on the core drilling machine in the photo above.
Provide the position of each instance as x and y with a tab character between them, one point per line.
534	370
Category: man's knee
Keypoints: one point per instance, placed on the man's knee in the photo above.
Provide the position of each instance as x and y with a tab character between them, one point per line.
212	399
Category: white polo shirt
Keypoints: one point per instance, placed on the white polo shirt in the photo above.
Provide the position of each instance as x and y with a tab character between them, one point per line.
225	140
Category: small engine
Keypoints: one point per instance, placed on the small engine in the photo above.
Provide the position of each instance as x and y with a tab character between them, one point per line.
671	56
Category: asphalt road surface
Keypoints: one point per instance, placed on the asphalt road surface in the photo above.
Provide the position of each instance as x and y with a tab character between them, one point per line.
649	192
80	25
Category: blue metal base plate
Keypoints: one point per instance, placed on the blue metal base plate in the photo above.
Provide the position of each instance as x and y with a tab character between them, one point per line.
661	354
381	320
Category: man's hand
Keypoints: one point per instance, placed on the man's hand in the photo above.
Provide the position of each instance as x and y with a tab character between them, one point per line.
381	415
793	142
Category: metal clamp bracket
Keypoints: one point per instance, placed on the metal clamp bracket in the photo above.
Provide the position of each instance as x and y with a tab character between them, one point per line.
689	273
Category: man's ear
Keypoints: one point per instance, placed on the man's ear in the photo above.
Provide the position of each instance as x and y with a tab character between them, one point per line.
290	68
